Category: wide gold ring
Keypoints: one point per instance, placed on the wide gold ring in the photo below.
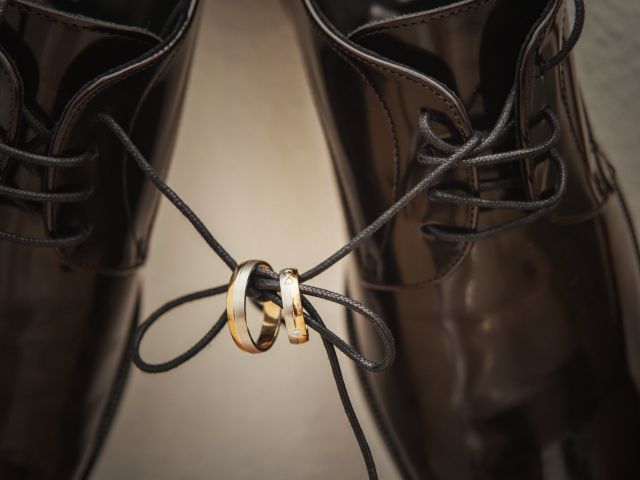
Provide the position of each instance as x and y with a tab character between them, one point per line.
292	310
237	311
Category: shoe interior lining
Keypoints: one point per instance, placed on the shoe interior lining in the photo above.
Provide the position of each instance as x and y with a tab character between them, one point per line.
346	16
155	16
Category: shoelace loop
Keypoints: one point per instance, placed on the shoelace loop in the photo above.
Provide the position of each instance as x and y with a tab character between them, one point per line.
265	288
35	161
265	285
441	154
570	42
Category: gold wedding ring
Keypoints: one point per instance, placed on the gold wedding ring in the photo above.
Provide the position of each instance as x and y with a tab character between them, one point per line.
292	310
237	311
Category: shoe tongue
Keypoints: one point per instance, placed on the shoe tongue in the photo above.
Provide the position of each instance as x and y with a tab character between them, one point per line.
472	47
57	53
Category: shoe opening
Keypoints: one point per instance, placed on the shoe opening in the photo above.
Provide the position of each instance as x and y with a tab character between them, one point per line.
156	16
351	14
471	46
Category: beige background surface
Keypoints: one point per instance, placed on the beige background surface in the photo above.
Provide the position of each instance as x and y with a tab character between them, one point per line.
250	130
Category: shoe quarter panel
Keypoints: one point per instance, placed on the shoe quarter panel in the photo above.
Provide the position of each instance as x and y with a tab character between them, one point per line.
145	97
590	181
370	109
10	103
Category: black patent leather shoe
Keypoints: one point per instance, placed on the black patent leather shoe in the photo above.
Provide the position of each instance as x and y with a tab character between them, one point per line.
75	217
512	285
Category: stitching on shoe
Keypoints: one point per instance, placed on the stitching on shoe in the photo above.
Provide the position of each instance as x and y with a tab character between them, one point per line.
392	130
565	103
141	255
154	216
527	100
51	19
334	46
564	93
590	213
12	106
471	211
464	10
526	75
72	121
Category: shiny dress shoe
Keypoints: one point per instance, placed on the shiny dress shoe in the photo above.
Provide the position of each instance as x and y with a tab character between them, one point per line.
75	216
512	285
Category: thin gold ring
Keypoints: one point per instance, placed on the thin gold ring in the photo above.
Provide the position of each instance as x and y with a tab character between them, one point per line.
292	310
237	311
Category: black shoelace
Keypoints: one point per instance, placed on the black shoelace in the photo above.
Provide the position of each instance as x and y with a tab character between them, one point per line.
265	282
25	198
440	156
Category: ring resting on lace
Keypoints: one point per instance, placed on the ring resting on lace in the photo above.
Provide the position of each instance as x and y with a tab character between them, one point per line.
292	310
237	311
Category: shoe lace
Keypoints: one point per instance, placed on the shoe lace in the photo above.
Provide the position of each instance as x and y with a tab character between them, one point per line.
25	198
265	284
443	156
440	154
